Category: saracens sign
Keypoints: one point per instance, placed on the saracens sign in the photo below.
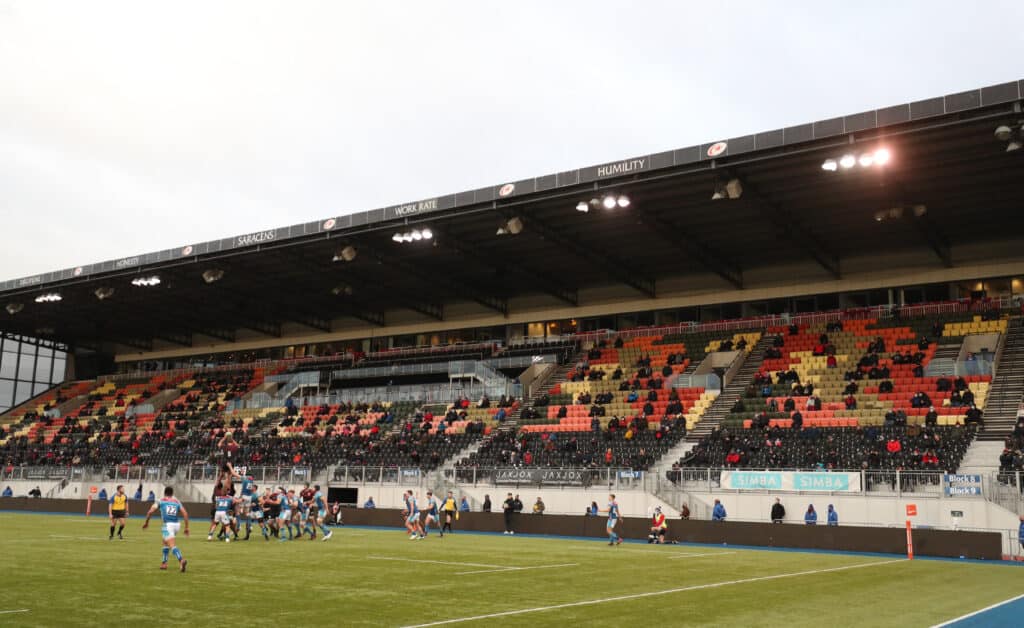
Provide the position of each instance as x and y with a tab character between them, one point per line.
259	237
542	476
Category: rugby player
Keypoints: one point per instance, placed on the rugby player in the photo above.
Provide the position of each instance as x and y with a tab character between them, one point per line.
431	514
170	510
613	518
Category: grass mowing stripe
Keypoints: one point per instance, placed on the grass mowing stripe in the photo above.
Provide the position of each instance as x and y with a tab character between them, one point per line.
20	610
978	612
619	598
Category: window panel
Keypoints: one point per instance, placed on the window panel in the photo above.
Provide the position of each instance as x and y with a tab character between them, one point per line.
6	392
43	369
40	388
23	392
58	371
26	367
8	364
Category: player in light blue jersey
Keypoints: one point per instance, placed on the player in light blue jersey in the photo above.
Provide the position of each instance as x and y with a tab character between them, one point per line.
284	517
256	513
244	504
412	517
613	519
170	510
432	514
317	509
221	515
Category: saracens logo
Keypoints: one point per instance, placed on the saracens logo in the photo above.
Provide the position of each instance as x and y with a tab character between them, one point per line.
507	189
329	224
187	251
717	149
77	271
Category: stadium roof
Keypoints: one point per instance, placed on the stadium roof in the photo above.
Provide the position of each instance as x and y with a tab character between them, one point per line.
946	165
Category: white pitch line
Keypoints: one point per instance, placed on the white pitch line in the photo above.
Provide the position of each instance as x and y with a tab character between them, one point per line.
437	562
978	612
673	557
466	573
697	587
20	610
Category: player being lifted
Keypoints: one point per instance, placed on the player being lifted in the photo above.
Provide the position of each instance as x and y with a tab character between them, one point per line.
118	511
431	515
170	510
613	518
412	517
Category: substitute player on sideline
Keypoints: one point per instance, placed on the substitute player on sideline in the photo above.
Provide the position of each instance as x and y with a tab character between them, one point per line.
170	510
118	511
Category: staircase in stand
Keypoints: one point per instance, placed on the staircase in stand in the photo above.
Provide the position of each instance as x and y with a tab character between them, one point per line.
721	406
1005	395
554	377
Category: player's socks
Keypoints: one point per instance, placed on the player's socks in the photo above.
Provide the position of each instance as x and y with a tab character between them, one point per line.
323	529
119	531
111	531
167	551
177	554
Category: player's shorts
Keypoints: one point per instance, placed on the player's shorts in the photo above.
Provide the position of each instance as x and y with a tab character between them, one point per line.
222	517
314	512
256	513
286	515
413	517
611	522
170	530
118	514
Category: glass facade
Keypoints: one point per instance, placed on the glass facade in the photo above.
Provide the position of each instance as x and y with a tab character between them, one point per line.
28	367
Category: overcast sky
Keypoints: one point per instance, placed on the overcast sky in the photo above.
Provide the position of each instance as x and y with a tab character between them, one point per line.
129	127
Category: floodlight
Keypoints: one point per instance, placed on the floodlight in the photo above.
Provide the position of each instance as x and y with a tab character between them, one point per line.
346	254
397	237
847	161
50	297
14	308
1013	145
734	189
608	202
623	201
882	156
1003	133
866	160
427	234
104	293
213	274
830	165
582	207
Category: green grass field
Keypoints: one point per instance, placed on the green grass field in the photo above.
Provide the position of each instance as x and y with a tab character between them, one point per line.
64	571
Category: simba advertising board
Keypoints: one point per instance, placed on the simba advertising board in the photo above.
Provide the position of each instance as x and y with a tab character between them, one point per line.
791	481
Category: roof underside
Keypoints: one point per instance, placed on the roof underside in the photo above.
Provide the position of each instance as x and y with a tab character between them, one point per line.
790	211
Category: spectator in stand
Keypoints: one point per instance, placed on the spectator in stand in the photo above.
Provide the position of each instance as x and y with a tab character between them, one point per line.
798	420
718	512
778	511
538	507
932	418
36	493
464	504
369	504
810	517
8	492
487	504
592	510
833	516
973	416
